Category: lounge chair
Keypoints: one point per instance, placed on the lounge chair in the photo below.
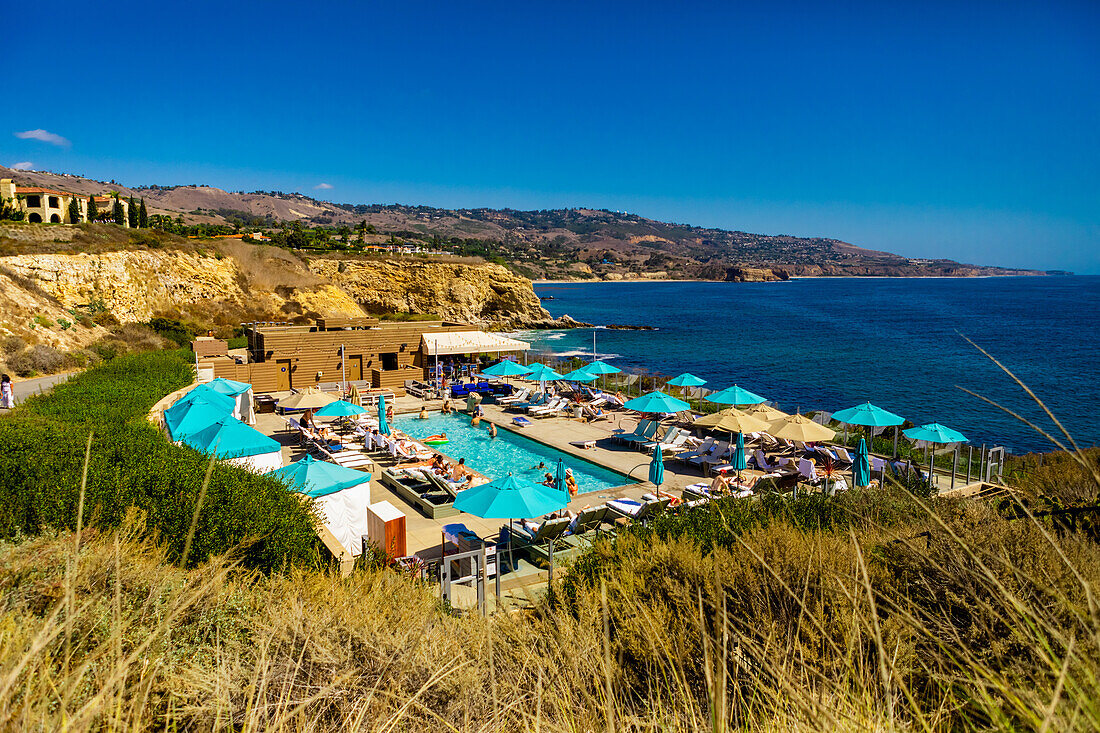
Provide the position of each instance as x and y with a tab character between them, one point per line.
669	444
594	414
844	455
715	457
700	450
348	458
524	405
670	433
637	511
808	470
622	432
761	462
415	489
549	529
554	406
519	396
643	436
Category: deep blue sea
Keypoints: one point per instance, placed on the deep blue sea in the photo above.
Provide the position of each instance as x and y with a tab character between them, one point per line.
832	343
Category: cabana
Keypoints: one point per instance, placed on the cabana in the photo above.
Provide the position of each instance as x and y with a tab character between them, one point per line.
241	392
342	495
234	442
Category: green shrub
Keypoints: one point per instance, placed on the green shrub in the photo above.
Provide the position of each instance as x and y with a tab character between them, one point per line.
132	464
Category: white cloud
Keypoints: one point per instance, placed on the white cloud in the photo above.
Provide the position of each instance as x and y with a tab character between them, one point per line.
44	136
24	166
323	186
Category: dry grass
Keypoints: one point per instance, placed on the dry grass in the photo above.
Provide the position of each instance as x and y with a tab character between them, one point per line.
986	624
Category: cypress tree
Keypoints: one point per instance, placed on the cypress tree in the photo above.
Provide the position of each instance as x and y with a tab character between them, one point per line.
74	211
132	213
143	215
117	213
93	213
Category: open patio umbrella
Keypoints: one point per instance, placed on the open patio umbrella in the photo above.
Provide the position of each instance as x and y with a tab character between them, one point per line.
800	428
510	498
579	375
861	469
319	478
687	380
209	394
870	416
184	418
310	399
656	402
231	438
383	425
711	420
339	408
506	368
735	396
601	368
542	374
933	432
765	413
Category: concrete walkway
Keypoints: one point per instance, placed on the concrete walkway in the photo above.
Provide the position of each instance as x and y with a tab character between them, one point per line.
39	385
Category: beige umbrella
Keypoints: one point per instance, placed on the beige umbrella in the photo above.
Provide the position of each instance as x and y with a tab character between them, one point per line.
310	399
709	421
354	397
765	413
800	428
735	421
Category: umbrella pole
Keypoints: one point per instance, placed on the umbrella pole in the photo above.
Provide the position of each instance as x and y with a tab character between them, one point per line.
954	466
896	428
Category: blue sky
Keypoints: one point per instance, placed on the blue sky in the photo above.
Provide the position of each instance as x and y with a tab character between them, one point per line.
964	130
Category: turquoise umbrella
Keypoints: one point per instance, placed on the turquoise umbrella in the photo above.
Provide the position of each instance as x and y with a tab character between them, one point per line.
600	367
319	478
933	432
735	396
657	469
559	479
383	426
861	470
739	454
186	417
687	380
870	416
510	498
656	402
339	408
506	368
209	394
231	438
542	373
229	387
579	375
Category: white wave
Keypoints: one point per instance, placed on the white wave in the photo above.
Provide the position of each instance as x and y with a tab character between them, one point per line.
586	354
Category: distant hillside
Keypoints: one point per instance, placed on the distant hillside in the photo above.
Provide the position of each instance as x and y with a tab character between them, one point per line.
560	243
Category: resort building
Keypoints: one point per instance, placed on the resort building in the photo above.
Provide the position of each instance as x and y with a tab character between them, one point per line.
47	205
365	351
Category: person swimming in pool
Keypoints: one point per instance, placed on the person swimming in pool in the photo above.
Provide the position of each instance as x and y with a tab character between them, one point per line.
540	467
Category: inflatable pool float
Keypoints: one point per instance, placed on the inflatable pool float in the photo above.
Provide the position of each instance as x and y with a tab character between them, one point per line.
435	440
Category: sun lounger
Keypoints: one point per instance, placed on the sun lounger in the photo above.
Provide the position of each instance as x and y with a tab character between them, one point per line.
761	462
670	433
619	432
519	396
549	408
348	458
700	450
844	455
412	486
808	470
669	445
583	444
645	435
577	538
549	529
637	511
717	455
594	414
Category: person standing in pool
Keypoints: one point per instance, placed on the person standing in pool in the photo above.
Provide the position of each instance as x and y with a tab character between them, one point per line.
423	413
492	430
570	483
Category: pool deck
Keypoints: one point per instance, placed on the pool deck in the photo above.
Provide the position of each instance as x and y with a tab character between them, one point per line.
423	535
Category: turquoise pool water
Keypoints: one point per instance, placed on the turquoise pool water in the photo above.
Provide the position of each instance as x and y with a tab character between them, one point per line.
506	453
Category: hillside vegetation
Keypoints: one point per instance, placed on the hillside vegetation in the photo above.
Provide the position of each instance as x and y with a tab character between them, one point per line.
576	243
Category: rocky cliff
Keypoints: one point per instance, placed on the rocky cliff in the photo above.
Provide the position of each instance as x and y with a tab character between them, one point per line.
226	283
483	294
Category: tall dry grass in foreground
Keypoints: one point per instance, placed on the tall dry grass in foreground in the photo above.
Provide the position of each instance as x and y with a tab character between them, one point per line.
981	624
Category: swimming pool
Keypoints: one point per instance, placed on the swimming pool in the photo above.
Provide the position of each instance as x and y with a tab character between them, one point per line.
506	453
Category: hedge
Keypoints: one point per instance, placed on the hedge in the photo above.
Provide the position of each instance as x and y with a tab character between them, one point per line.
133	465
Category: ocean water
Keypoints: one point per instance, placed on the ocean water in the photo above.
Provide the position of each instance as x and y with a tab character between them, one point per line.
832	343
506	453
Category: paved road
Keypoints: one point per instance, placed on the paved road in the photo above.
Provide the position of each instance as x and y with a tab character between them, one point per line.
28	387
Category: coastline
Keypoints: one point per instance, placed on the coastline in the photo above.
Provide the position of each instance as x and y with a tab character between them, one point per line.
598	281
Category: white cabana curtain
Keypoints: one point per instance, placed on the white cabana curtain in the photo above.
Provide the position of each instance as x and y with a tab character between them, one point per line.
261	463
345	515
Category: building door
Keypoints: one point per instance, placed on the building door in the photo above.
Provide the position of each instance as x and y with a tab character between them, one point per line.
282	375
355	367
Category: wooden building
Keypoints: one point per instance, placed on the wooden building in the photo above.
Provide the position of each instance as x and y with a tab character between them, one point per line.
373	353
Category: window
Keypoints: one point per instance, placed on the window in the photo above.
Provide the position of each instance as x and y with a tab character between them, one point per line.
34	219
34	202
55	219
55	202
389	362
